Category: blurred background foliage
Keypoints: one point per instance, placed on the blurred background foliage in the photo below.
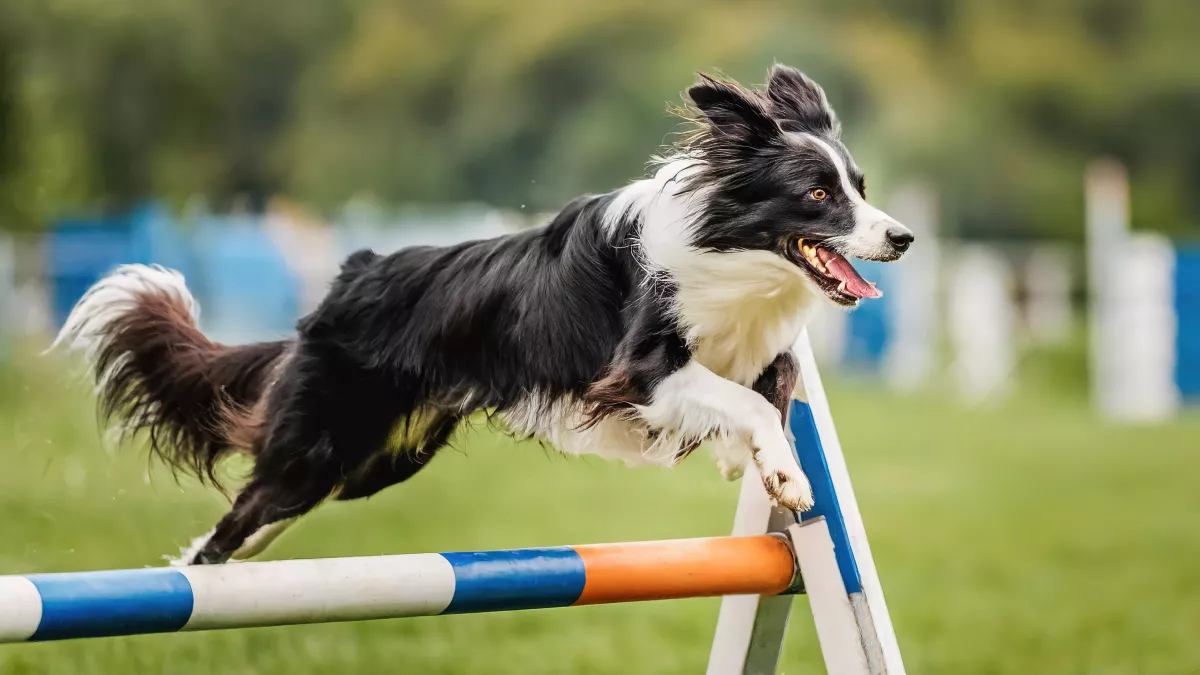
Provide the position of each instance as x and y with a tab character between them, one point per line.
523	105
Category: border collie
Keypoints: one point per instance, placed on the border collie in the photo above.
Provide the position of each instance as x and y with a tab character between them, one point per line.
634	325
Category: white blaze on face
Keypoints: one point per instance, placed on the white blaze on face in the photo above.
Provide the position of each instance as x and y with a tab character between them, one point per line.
869	239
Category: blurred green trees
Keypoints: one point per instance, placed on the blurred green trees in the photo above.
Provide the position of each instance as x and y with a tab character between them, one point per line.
104	102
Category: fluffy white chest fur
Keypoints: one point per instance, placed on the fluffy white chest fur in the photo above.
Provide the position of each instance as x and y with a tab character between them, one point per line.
742	310
737	326
739	310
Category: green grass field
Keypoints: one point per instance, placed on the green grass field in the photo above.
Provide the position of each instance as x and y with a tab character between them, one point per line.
1027	539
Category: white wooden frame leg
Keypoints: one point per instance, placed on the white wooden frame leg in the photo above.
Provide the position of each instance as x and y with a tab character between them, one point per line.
853	625
750	628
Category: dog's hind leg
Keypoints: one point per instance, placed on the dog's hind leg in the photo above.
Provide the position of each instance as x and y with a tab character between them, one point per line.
286	484
273	500
261	539
382	471
247	514
397	465
263	509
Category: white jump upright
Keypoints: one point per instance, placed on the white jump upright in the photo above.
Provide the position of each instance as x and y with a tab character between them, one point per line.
845	595
1132	315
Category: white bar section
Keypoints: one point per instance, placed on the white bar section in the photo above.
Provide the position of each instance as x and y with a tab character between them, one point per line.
876	619
837	627
306	591
20	609
743	617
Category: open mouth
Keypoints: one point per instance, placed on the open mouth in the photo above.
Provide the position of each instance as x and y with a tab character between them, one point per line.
832	273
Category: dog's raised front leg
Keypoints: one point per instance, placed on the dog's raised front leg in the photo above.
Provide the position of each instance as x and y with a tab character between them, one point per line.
776	384
694	401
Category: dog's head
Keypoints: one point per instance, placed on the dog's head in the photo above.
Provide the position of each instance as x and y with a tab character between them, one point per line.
777	178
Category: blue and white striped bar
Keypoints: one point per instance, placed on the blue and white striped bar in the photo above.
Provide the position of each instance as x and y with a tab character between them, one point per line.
95	604
61	606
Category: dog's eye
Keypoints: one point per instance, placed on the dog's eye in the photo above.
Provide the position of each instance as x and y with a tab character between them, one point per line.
818	194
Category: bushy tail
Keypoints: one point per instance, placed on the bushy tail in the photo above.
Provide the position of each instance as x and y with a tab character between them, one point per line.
155	371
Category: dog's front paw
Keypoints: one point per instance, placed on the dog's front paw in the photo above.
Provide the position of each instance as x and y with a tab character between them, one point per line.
789	490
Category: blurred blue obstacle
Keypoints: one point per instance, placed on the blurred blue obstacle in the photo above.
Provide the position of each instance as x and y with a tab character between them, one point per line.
231	264
1187	312
80	251
868	327
248	290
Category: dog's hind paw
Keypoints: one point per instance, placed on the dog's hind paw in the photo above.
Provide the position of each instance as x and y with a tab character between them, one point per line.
187	554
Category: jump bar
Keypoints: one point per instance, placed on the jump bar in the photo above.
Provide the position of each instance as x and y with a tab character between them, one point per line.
39	607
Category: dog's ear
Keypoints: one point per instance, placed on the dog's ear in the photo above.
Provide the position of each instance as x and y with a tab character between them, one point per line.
733	111
799	102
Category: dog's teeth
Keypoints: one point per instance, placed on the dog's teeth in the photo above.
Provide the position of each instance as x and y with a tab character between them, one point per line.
810	254
842	287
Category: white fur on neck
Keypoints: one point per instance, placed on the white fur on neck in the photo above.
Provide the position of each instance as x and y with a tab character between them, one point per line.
659	194
740	309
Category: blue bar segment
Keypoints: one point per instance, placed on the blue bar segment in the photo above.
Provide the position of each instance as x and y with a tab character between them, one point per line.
812	460
101	604
490	581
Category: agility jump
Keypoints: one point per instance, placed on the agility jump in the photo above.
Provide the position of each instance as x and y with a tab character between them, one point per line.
773	554
41	607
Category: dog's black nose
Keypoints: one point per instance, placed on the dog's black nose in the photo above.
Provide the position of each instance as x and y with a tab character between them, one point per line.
900	237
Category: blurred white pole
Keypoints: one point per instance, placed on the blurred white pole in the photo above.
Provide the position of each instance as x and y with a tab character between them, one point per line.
828	333
1048	312
981	317
1107	229
8	294
1131	317
911	355
310	250
1139	325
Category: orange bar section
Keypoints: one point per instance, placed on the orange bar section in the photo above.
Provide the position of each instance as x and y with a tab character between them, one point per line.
685	568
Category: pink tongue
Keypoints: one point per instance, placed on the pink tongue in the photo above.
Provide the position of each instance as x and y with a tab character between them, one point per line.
841	269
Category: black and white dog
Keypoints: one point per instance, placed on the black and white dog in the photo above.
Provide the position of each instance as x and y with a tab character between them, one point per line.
635	325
